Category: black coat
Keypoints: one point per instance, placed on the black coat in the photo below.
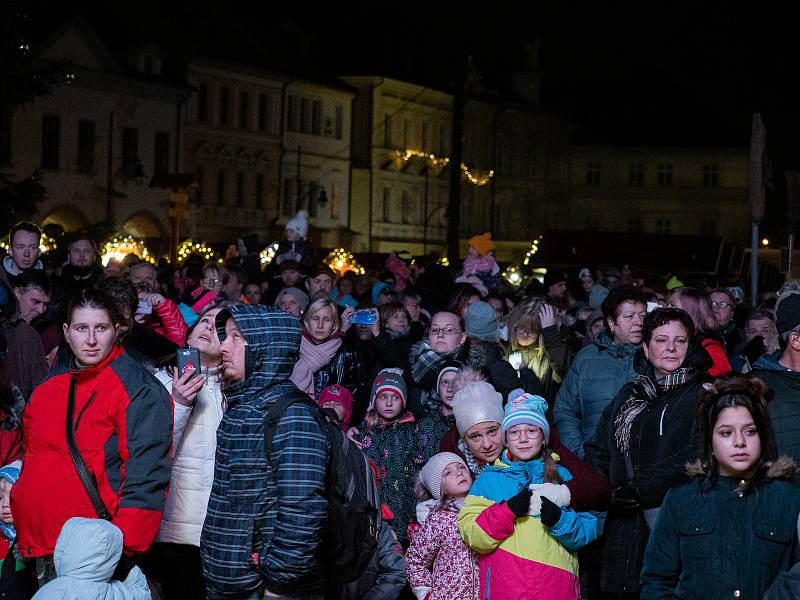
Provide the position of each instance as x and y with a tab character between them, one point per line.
663	438
345	369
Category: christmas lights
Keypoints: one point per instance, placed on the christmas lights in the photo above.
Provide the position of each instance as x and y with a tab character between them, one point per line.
475	178
341	261
514	273
119	246
268	253
191	246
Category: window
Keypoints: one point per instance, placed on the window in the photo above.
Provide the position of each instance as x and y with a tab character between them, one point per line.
51	141
665	175
663	226
339	123
161	159
224	105
304	115
710	175
199	174
240	188
636	174
708	228
86	141
593	173
316	118
387	130
244	107
130	152
424	132
406	208
387	205
336	204
202	102
313	190
221	187
293	116
260	191
444	142
262	112
287	206
406	133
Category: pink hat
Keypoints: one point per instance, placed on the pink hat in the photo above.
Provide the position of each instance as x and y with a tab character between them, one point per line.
341	396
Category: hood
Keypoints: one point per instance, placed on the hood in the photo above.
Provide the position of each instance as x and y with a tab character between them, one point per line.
769	362
696	358
10	267
783	467
273	345
481	353
523	473
605	342
88	549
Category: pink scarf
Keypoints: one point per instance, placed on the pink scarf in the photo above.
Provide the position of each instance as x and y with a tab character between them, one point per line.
312	358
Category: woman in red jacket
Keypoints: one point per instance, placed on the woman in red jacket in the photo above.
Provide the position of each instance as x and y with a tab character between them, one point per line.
122	425
698	305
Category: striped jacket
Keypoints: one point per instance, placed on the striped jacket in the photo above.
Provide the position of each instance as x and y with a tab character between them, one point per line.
521	558
265	519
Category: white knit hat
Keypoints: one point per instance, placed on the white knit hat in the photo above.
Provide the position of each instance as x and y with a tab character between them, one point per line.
477	403
431	473
299	223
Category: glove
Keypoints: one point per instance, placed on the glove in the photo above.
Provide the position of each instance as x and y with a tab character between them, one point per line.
625	496
520	503
755	349
551	513
422	593
124	567
554	492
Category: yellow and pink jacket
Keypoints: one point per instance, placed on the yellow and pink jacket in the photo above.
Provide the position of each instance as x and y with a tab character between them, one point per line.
522	559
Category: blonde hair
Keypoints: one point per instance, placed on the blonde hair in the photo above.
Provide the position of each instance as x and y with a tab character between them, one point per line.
526	315
318	305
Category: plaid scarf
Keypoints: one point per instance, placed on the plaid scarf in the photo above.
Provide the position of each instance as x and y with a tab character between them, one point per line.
424	360
644	391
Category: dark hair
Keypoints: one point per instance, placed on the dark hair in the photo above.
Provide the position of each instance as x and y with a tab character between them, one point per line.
662	316
725	291
123	294
617	296
390	309
759	314
240	273
730	391
34	278
697	303
458	300
411	294
23	226
502	302
94	298
80	236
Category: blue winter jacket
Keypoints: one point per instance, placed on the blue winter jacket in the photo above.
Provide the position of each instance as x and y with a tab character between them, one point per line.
273	510
598	372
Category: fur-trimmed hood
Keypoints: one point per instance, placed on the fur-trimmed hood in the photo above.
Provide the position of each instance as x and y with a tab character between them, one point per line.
783	467
11	409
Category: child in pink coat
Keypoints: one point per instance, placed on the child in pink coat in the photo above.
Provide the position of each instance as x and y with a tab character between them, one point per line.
439	566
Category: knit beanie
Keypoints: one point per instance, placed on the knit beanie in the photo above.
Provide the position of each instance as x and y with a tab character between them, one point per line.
193	303
431	473
451	366
787	312
481	322
553	277
298	294
388	380
526	409
299	223
341	396
477	402
482	243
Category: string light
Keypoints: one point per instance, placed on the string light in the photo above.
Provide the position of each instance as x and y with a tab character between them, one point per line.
514	273
191	246
119	246
444	261
46	244
340	260
268	254
475	178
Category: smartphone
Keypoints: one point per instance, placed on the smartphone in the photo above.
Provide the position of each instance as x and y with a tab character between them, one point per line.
363	317
188	361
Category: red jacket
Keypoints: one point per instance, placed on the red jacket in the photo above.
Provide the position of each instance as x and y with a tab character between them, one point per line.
123	430
170	323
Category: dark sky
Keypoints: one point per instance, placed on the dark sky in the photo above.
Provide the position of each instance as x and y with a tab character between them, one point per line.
678	73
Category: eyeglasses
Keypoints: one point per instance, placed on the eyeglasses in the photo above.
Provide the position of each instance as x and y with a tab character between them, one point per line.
211	281
715	304
530	432
436	331
520	332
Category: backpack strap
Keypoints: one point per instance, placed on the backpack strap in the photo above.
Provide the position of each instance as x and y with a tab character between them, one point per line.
275	412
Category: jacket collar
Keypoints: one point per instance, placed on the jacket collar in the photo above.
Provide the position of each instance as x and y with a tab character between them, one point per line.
94	370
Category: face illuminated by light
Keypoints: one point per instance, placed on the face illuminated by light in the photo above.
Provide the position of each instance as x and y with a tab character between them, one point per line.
667	348
81	253
91	334
485	441
204	337
456	480
736	443
24	249
233	350
32	301
627	327
388	405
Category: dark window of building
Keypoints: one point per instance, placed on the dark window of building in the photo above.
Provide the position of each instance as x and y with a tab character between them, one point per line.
202	102
130	152
665	175
260	191
51	141
262	112
312	194
424	136
161	156
86	141
287	208
407	134
708	228
293	118
224	105
593	171
244	108
406	207
710	175
636	174
221	187
305	115
387	205
664	226
387	131
339	125
199	174
316	118
240	188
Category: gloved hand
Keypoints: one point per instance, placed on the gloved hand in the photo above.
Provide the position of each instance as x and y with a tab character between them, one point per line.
755	349
551	513
559	494
625	496
422	593
124	567
520	503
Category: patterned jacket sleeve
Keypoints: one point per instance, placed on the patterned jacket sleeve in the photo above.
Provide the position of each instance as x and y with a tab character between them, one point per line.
421	554
173	328
301	452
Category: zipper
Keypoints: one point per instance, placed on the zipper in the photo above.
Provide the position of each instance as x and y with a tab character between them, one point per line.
661	421
92	396
488	579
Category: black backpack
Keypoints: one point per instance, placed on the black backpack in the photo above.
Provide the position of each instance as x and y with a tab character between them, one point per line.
354	503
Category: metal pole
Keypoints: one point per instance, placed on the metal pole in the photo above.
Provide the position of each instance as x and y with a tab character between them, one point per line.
754	264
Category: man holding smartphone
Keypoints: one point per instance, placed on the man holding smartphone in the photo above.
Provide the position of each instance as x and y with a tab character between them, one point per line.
156	312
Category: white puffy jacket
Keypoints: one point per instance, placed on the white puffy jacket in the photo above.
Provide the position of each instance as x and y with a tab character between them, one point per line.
194	443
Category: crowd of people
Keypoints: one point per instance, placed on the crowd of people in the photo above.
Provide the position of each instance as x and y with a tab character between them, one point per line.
602	434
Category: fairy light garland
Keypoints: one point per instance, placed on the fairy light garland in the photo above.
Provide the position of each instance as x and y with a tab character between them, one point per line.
474	177
191	246
514	274
121	245
340	260
46	244
267	255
